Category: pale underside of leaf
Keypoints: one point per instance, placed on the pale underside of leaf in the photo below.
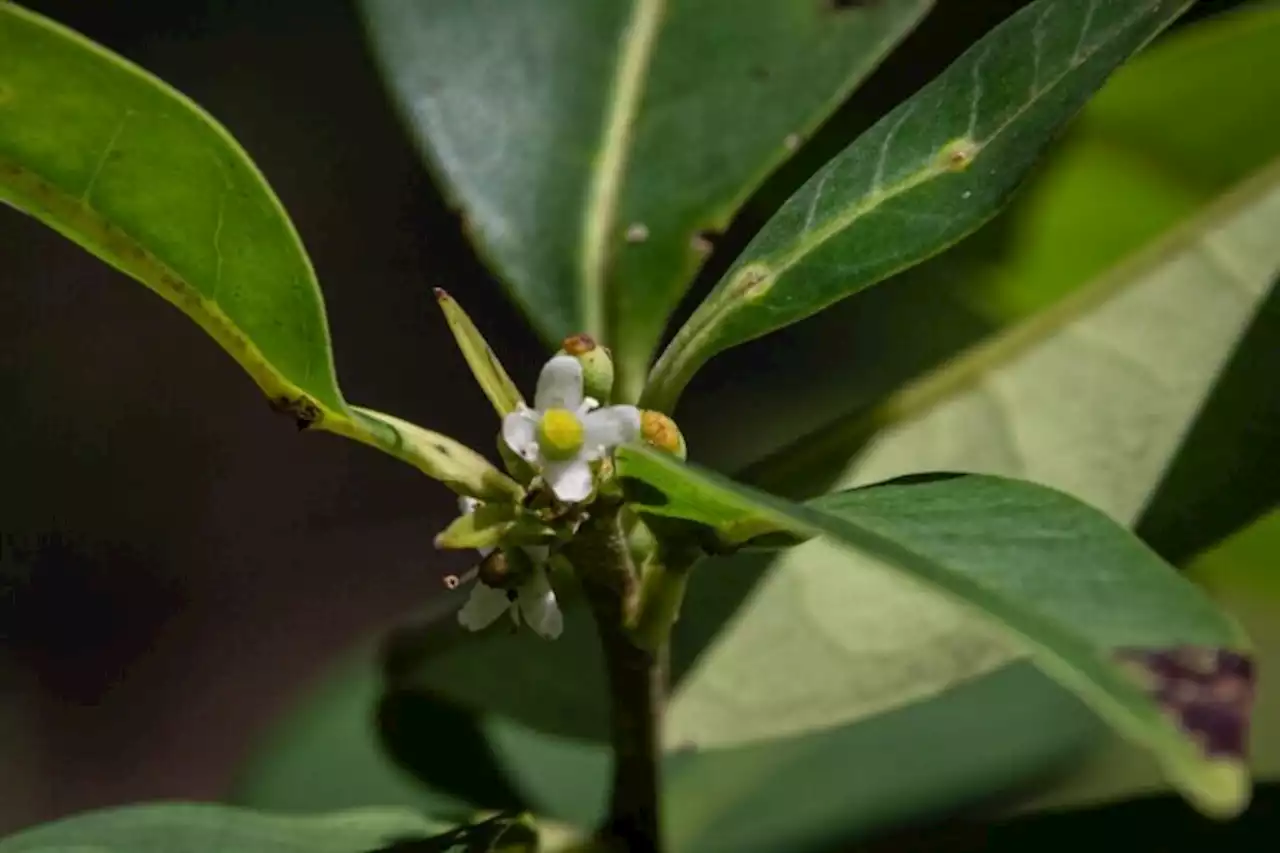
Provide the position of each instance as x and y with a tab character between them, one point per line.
1155	333
1082	658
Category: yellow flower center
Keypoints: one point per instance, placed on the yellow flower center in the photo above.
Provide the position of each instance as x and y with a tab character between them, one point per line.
559	434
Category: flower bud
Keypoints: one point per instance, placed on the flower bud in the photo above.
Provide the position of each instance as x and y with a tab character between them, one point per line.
660	431
505	569
597	365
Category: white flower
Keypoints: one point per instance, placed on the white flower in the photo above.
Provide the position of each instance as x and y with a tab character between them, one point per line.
534	599
562	434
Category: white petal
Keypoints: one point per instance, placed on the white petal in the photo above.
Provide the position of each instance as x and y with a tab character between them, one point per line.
467	506
538	605
559	385
485	605
571	481
609	427
520	432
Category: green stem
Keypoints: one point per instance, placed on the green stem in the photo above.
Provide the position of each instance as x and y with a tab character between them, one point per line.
636	678
662	587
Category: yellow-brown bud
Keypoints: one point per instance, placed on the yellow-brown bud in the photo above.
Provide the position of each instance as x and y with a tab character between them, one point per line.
661	431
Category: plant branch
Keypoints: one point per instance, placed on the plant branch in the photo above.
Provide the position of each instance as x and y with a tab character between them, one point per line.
663	580
636	678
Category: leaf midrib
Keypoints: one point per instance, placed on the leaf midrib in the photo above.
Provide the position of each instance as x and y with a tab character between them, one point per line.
639	38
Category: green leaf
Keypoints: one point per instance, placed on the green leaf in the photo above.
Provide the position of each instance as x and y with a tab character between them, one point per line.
1129	169
483	528
438	456
861	649
323	754
493	379
218	829
1240	574
141	177
131	170
1087	599
594	147
927	174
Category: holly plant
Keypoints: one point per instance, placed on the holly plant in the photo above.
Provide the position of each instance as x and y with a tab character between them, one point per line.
728	695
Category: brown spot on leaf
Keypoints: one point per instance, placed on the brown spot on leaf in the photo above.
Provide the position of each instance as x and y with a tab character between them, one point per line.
958	154
702	243
751	282
1206	692
303	410
452	581
637	232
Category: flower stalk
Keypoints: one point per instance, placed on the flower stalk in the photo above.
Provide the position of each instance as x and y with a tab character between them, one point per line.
636	677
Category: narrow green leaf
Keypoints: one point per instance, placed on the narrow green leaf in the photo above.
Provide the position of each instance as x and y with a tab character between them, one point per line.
138	175
438	456
483	528
1129	169
1097	610
596	148
218	829
493	379
927	174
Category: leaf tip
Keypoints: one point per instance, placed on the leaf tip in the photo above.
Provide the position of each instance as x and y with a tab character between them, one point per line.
1221	789
442	295
1207	693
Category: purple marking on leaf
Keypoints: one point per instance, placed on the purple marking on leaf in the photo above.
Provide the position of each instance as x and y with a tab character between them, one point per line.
1207	691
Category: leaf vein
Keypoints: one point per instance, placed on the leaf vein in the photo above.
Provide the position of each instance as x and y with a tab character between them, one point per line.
104	156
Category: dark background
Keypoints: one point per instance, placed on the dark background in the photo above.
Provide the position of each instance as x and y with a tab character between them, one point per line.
176	561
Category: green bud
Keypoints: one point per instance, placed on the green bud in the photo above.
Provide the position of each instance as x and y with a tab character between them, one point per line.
597	365
661	432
